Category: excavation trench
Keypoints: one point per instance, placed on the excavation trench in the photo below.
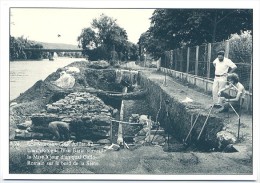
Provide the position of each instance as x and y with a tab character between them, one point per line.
183	125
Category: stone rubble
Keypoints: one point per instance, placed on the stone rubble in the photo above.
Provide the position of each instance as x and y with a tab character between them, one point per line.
89	118
88	115
143	136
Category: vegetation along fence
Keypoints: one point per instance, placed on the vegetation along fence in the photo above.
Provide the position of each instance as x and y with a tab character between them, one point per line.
198	60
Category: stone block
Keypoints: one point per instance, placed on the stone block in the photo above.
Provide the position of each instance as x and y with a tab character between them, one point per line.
101	120
100	133
40	129
101	127
43	118
114	147
22	134
103	141
225	138
67	119
24	125
53	109
99	64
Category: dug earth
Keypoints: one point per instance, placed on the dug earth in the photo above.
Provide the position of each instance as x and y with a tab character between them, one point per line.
84	105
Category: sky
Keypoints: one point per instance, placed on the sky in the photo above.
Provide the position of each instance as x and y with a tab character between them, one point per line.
44	24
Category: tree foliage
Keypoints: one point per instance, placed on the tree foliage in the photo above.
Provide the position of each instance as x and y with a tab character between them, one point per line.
87	39
105	39
18	52
174	28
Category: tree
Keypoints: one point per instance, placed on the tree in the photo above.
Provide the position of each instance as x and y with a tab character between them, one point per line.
149	44
133	51
220	24
17	49
107	38
174	28
87	40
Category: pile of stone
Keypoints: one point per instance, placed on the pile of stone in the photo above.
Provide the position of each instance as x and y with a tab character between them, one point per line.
102	64
225	139
89	118
154	135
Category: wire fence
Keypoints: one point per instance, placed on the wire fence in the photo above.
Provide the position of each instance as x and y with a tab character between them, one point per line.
198	60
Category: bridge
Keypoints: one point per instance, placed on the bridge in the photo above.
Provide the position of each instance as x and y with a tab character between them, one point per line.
52	51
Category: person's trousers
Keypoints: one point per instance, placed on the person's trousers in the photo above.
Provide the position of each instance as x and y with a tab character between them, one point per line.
235	104
218	83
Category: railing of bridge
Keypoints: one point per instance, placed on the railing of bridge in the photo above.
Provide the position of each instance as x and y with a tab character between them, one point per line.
53	50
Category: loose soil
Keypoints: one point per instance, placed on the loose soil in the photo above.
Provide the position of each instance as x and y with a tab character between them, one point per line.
150	159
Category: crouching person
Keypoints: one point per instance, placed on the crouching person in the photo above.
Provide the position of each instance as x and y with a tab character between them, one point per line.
60	130
235	98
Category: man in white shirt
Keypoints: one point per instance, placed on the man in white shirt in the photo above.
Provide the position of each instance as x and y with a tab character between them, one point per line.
222	66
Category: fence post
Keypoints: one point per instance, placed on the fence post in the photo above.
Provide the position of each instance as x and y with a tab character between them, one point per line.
181	59
188	60
176	59
167	59
208	60
197	60
163	60
250	85
171	58
226	48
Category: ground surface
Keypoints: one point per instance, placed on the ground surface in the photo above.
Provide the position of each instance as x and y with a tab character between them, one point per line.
147	159
137	160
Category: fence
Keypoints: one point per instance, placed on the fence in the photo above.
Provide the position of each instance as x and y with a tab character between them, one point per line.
198	60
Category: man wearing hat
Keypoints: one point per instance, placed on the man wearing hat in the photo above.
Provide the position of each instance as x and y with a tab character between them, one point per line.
222	66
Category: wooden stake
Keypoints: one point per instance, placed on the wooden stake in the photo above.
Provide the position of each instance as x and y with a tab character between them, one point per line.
149	132
111	132
120	139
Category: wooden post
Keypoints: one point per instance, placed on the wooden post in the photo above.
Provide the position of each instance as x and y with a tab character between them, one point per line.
149	126
191	123
111	132
188	60
181	60
120	139
208	60
208	65
176	59
250	85
197	60
226	48
172	60
251	76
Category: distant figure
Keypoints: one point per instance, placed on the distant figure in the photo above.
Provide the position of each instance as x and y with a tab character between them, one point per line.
222	66
60	130
59	35
237	99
